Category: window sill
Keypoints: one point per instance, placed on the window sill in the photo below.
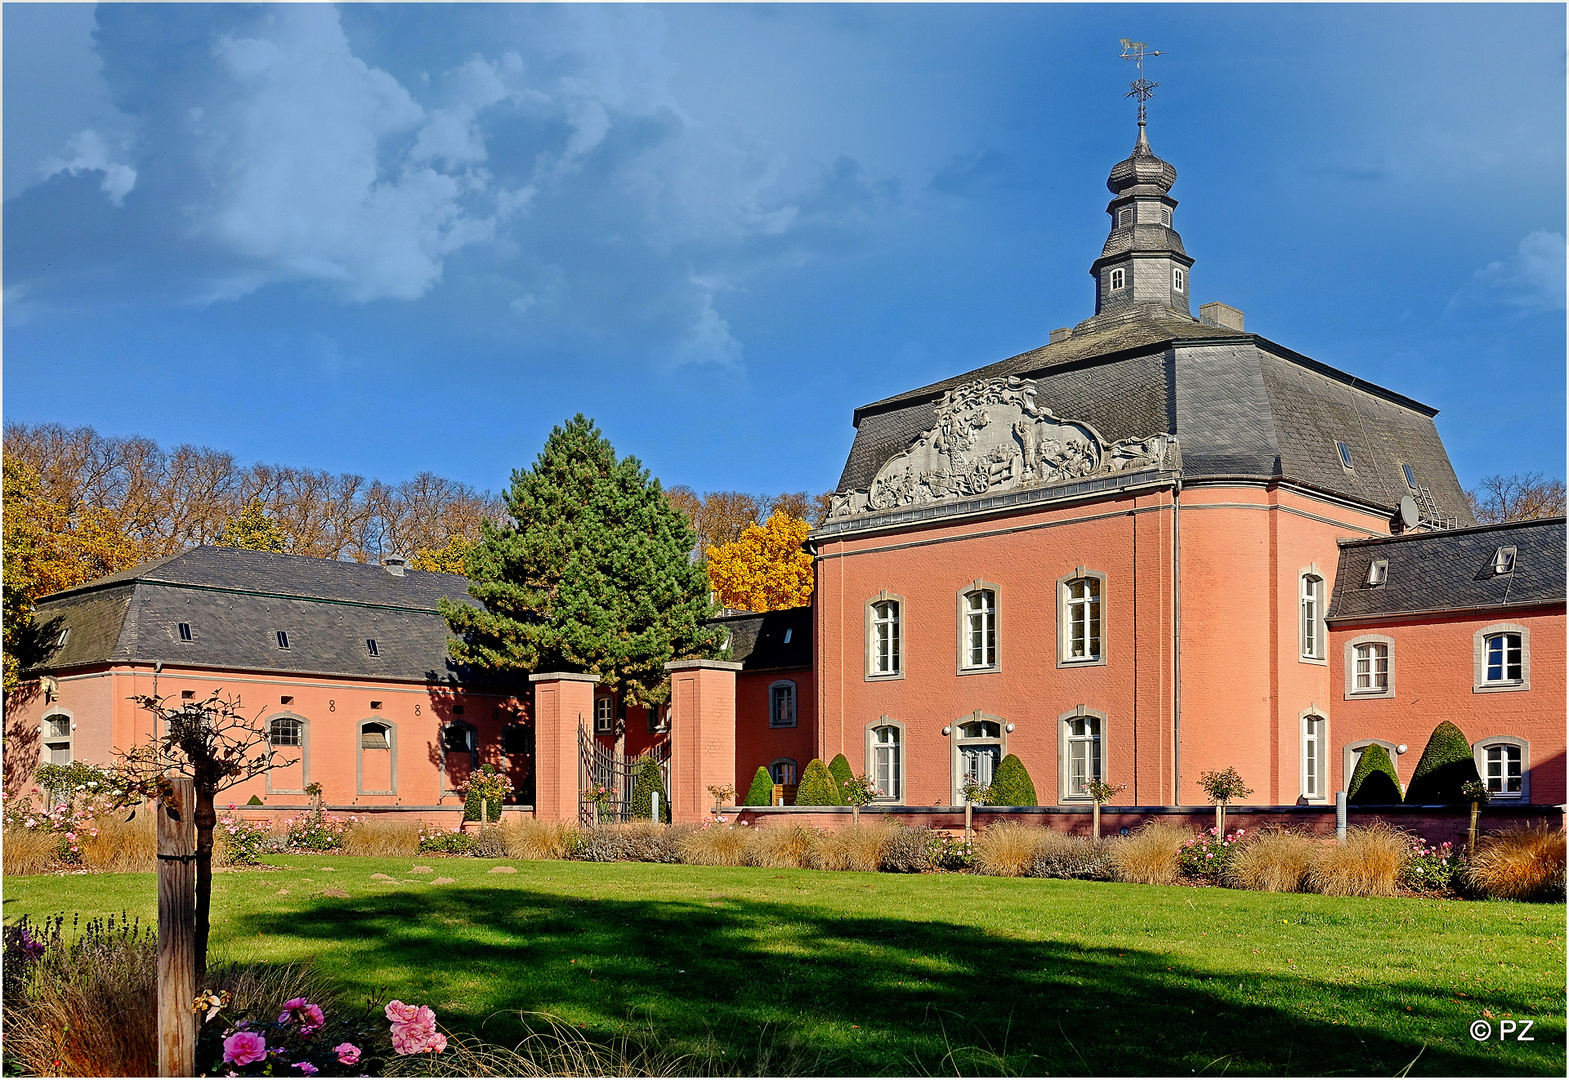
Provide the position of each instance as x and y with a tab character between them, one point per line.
1318	661
1099	661
894	676
781	727
990	670
1365	695
1500	688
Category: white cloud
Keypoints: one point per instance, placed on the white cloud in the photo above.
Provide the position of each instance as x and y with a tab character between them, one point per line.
1528	282
90	153
707	339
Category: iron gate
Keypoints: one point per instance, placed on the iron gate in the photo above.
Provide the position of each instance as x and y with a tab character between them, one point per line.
601	765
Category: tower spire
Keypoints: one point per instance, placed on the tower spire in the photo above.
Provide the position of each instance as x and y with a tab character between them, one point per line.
1141	87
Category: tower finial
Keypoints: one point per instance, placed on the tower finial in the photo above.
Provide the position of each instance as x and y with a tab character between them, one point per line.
1142	88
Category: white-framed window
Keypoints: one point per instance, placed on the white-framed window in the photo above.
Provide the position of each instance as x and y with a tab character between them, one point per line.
1378	572
781	705
58	739
1344	453
1504	763
885	755
978	750
1118	278
1503	562
376	762
783	770
1370	666
1080	631
1311	631
288	739
1410	475
1501	658
285	731
1315	756
884	637
978	627
1081	751
659	719
1178	279
604	715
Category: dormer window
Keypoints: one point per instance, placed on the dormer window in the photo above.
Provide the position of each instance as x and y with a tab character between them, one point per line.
1178	279
1345	455
1378	572
1504	560
1118	277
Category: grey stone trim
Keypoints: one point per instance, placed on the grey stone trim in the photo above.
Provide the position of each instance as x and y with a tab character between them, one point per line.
571	676
955	763
45	738
1479	683
1064	796
1352	693
359	755
1312	712
1009	530
961	600
1351	753
305	751
700	665
872	675
904	755
795	701
1063	660
1479	752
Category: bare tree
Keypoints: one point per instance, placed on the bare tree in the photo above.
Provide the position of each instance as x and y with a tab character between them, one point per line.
1516	497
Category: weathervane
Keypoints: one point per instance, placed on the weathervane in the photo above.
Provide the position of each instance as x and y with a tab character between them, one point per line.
1143	89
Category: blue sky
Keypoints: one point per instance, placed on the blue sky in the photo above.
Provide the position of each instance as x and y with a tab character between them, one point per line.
384	239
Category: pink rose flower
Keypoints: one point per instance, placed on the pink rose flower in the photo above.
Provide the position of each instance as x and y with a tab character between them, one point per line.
307	1068
400	1013
302	1012
348	1053
244	1047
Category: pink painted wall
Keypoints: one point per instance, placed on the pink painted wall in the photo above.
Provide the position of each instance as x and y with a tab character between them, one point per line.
758	744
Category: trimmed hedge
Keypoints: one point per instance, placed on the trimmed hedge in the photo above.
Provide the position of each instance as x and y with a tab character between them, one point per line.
839	769
817	786
1375	782
649	780
1446	766
761	793
1011	785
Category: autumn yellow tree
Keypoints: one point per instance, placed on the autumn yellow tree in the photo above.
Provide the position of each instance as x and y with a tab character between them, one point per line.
765	568
451	559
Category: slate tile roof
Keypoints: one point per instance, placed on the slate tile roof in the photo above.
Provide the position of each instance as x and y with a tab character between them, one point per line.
757	639
1452	571
236	601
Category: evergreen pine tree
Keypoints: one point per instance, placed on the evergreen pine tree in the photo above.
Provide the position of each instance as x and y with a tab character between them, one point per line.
593	573
817	786
1011	784
1446	766
1374	782
761	793
839	769
649	780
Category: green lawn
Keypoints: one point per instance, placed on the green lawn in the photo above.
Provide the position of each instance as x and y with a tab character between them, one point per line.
844	973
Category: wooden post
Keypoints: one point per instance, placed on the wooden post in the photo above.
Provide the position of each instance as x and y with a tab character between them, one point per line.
969	833
177	932
855	816
1097	822
484	814
1220	820
1470	842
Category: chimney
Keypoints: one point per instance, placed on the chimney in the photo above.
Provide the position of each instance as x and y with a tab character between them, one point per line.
1061	334
395	564
1221	315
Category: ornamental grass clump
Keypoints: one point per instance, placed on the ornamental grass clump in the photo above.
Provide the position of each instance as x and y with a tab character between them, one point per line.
1370	862
1273	861
27	851
553	1047
1148	856
1007	849
906	850
715	843
1079	858
117	846
859	847
530	838
632	841
1519	864
783	847
393	835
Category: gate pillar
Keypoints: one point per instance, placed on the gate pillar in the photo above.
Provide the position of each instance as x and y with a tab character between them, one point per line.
702	733
562	700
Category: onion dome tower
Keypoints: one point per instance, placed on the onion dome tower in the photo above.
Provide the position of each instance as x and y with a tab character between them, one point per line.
1143	270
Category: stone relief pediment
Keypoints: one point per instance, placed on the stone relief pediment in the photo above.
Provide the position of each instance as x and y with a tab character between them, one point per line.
992	436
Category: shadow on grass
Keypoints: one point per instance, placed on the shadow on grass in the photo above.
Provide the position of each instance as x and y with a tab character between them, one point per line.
786	988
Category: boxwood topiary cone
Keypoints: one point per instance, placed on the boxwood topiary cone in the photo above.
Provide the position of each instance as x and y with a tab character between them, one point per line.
1375	782
649	780
1011	784
839	769
761	793
817	786
1446	767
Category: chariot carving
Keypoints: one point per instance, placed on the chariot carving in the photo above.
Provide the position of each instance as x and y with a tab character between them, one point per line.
991	436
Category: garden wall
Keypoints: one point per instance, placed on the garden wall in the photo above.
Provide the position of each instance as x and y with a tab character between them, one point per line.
1434	823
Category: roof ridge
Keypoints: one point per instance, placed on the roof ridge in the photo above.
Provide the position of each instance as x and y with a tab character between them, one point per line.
1466	531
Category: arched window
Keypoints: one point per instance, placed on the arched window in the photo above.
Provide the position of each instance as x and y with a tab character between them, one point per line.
978	627
57	739
781	706
1501	658
978	745
284	731
1352	756
288	737
1079	602
1315	757
1082	753
1118	278
782	770
1178	280
883	637
884	751
1310	621
376	766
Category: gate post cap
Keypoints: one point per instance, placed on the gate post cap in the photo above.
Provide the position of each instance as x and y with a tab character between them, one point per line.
564	676
709	665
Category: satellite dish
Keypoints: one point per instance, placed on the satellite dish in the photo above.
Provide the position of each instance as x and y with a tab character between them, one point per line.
1408	512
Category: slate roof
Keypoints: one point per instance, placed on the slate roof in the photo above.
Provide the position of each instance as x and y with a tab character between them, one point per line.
235	602
757	639
1239	404
1452	571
